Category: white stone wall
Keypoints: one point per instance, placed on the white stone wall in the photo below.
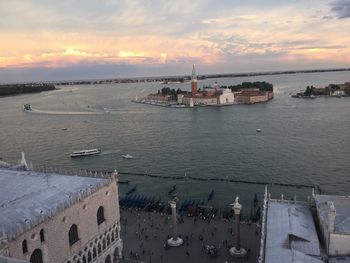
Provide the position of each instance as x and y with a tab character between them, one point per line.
339	244
56	246
200	100
226	98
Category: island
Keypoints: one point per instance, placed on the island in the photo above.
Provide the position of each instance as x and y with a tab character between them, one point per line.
15	89
245	93
332	90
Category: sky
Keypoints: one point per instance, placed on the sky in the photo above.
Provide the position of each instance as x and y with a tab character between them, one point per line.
91	39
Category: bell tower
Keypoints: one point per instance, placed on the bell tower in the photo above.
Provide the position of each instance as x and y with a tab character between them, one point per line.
194	81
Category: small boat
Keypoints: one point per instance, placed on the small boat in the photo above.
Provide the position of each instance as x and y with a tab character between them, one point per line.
85	152
123	182
127	156
258	130
27	107
64	129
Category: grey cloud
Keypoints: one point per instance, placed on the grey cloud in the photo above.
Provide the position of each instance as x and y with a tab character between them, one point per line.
341	8
327	17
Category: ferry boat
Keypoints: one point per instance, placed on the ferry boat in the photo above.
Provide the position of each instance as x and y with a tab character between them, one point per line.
85	152
27	107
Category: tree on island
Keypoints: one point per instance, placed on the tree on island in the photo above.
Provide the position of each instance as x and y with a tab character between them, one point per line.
261	85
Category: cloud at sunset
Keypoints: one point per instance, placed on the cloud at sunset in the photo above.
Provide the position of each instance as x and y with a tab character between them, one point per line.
228	36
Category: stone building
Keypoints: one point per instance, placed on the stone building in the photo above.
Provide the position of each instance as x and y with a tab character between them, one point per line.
49	217
333	215
251	96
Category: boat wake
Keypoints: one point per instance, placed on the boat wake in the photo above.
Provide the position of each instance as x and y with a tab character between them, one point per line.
36	111
106	152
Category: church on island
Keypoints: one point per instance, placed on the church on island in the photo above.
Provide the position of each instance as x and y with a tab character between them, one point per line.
208	96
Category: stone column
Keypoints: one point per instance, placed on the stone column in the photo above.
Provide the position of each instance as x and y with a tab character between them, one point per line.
237	251
175	241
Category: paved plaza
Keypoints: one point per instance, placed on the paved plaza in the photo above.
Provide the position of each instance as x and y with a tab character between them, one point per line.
144	236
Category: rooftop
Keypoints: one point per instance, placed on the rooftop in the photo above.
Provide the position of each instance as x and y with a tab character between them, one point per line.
290	233
28	198
342	208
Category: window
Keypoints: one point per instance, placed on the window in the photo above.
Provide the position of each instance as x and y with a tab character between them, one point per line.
73	234
36	257
24	246
100	216
42	236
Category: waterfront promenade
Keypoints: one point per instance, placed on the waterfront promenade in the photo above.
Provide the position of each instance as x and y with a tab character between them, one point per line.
144	237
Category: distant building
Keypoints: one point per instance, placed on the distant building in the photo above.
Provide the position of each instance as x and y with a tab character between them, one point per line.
333	215
226	97
253	95
49	218
194	87
208	96
290	230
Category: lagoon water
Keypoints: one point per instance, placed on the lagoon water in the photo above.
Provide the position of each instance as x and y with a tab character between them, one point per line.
302	141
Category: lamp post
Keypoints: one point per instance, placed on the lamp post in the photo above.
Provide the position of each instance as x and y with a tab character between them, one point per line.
174	241
237	251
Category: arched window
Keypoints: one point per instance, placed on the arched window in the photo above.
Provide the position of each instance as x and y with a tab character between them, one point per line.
103	244
73	234
24	246
36	257
100	216
108	259
42	235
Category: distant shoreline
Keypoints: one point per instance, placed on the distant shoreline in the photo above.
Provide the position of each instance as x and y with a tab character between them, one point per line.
17	89
178	78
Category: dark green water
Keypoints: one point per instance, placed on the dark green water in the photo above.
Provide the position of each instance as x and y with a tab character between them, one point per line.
302	141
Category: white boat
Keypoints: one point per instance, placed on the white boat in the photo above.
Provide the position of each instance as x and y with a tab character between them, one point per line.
258	130
127	156
85	152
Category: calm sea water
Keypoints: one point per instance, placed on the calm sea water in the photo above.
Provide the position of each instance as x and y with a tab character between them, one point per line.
302	141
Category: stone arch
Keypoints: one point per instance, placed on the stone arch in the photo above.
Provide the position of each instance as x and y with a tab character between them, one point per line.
108	240
94	253
73	234
99	249
37	256
24	246
116	253
108	259
42	235
103	243
89	258
100	215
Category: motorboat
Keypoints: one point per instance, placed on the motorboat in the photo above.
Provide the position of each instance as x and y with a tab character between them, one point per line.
127	156
258	130
27	107
85	152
